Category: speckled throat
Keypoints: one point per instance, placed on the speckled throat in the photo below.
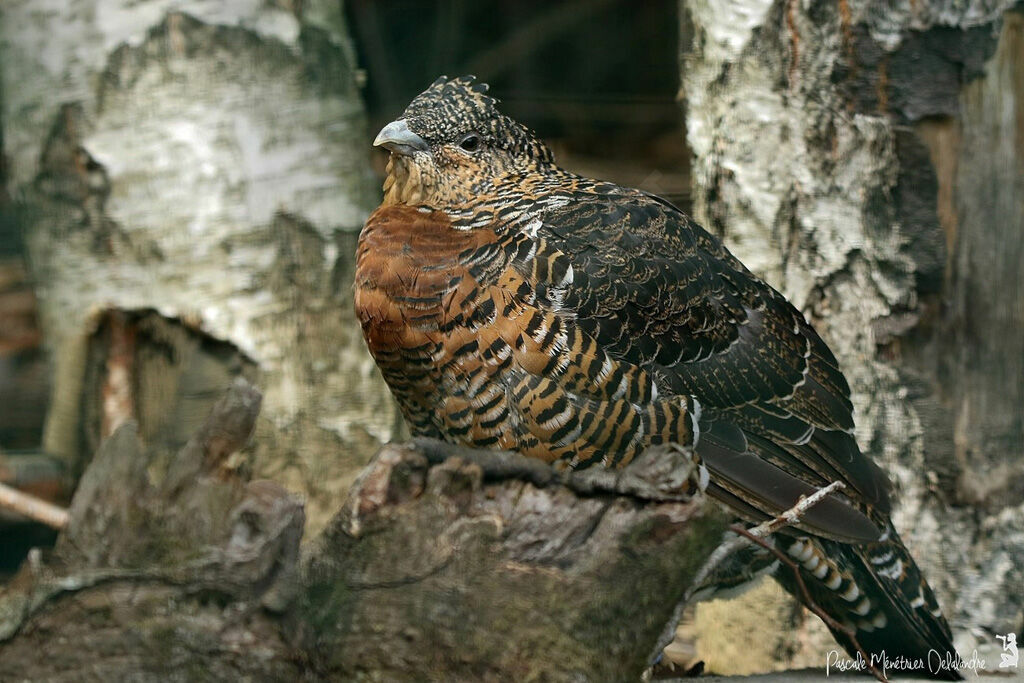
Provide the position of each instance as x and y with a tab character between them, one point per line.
406	183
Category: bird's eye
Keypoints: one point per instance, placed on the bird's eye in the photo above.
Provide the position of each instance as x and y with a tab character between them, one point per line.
470	143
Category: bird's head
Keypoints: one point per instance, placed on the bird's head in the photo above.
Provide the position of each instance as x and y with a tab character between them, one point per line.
451	146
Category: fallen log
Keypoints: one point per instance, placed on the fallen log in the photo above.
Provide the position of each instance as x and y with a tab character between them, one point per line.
444	563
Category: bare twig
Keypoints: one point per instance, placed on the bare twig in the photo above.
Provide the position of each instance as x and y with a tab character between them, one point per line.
787	518
757	535
34	508
808	600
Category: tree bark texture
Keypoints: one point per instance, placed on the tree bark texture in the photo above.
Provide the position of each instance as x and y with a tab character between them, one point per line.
203	174
442	564
867	159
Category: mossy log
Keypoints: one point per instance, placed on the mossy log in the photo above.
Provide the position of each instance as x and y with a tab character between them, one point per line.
443	563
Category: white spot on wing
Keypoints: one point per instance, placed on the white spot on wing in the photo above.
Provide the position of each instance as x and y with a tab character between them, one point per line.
568	277
893	571
694	418
704	478
882	559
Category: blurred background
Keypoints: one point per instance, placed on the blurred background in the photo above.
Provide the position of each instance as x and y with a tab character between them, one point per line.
610	109
182	184
608	113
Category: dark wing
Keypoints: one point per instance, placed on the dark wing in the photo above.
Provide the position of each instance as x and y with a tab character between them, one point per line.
654	288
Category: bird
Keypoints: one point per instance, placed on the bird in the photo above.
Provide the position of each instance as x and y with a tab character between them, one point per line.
512	304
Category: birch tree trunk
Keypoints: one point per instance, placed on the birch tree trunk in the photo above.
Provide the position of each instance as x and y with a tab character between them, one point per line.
867	159
192	177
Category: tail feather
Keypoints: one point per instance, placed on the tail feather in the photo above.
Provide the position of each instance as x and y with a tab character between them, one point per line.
877	590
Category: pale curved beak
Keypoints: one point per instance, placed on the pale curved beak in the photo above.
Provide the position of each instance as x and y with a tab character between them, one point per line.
398	139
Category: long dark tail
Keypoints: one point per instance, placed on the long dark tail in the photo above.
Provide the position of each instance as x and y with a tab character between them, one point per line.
877	590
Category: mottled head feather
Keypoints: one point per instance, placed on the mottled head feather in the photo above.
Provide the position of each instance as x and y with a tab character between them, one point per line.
450	109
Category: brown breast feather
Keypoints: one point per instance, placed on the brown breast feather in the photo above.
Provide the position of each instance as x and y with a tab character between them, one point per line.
453	320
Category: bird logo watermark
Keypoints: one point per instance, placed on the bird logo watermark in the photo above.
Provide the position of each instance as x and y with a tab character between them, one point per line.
1009	646
936	661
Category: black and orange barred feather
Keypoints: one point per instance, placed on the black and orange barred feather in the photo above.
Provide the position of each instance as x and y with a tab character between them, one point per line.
514	305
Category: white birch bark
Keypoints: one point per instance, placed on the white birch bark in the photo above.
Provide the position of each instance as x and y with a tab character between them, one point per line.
208	160
867	159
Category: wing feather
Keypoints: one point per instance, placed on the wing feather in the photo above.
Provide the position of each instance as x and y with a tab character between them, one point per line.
655	289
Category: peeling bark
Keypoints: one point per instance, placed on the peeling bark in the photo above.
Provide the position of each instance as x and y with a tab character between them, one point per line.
866	159
211	166
443	564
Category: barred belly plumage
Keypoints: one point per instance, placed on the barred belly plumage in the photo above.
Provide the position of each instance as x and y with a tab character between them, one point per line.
455	322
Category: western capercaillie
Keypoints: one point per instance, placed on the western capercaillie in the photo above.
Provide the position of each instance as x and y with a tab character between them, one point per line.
512	304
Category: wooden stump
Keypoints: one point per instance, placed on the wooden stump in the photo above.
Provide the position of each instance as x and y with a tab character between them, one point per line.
443	563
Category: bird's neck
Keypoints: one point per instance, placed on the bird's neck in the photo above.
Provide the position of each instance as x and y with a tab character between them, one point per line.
514	198
406	184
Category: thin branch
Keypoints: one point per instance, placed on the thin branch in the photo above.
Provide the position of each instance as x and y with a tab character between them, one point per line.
809	601
788	518
32	507
756	535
